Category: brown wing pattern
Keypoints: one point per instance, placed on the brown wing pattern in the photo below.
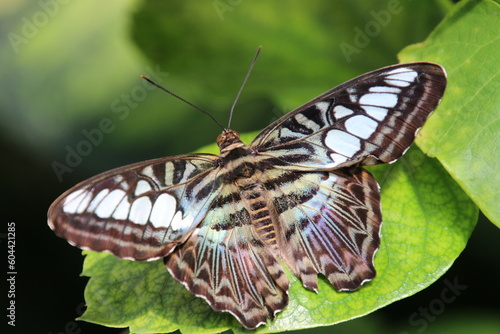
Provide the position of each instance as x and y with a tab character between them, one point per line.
138	212
330	225
368	120
225	262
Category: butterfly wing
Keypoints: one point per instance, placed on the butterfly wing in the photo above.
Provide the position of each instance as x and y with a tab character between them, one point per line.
330	224
368	120
139	212
226	263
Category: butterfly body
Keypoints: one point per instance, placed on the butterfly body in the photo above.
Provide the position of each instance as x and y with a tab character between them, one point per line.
298	195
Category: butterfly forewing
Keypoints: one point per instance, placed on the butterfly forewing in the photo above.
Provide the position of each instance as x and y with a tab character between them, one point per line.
367	120
140	211
298	193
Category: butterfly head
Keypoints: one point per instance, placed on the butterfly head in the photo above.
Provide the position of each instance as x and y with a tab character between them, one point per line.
229	140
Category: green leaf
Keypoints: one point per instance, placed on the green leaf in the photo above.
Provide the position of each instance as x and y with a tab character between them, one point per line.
463	133
427	222
142	296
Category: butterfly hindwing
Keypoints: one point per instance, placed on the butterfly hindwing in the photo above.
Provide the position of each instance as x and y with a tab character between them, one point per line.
138	212
368	120
330	225
225	262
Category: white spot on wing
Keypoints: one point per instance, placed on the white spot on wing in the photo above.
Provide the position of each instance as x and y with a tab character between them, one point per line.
361	126
109	203
148	171
379	99
352	94
122	210
73	200
178	222
74	195
397	83
342	142
338	158
401	77
84	203
384	89
286	132
142	187
187	171
376	112
95	202
127	230
169	173
341	111
313	126
163	210
322	106
118	178
140	210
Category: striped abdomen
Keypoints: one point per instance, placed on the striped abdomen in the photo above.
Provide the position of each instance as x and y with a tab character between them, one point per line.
254	199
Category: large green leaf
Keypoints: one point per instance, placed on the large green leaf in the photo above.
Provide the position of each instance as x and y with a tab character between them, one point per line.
463	133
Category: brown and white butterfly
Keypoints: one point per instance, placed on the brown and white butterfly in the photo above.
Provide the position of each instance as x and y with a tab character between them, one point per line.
297	193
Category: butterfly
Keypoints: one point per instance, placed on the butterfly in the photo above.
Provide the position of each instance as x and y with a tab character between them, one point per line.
298	194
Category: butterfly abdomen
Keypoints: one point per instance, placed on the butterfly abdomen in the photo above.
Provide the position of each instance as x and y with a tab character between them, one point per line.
254	200
246	174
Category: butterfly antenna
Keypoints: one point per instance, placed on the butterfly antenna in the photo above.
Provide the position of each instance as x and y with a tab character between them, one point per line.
183	100
243	85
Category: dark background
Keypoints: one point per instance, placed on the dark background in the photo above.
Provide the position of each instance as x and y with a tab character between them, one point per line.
78	65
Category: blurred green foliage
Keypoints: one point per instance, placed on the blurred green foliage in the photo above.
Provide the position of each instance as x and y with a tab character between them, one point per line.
90	68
